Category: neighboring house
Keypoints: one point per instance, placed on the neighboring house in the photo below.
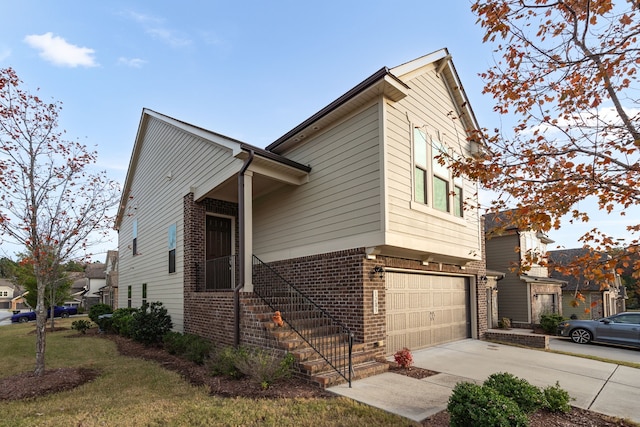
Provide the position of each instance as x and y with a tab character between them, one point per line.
7	290
109	292
351	207
78	289
95	279
600	299
524	294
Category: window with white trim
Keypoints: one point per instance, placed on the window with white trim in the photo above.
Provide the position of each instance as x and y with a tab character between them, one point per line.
433	183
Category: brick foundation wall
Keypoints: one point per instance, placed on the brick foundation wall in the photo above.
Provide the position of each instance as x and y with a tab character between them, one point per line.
527	340
477	269
342	283
208	314
334	281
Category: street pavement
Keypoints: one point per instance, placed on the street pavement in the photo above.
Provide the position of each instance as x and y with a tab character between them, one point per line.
5	317
608	388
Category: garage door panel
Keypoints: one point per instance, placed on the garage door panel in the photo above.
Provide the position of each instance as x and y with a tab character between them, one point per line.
425	310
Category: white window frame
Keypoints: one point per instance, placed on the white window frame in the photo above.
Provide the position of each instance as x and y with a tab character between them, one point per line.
435	173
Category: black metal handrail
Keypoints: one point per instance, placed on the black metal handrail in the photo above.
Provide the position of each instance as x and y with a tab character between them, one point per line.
329	337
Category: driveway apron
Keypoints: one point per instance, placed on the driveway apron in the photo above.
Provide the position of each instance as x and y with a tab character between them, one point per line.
607	388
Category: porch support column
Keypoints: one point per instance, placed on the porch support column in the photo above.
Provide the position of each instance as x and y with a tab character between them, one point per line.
246	231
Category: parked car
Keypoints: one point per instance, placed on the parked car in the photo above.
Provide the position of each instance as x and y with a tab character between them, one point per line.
31	315
621	328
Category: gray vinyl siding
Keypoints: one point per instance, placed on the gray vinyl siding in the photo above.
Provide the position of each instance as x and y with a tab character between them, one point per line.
427	229
169	164
340	202
513	299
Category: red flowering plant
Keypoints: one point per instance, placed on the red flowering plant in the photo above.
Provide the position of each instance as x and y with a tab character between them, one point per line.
403	358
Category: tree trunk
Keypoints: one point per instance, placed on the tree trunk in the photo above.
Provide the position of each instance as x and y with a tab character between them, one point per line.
41	326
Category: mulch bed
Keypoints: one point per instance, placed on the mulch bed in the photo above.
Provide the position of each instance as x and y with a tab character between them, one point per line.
26	385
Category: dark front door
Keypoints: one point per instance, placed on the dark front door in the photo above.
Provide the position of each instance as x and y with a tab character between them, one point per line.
218	253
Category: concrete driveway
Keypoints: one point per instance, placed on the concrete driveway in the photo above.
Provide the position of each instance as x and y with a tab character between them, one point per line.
602	387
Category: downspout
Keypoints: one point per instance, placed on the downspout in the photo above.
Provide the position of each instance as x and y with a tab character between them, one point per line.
242	258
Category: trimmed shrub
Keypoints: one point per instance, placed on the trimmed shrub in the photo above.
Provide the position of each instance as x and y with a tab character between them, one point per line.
528	397
557	399
121	321
104	323
265	367
174	343
98	309
191	347
481	406
224	361
403	358
150	323
81	326
198	349
549	323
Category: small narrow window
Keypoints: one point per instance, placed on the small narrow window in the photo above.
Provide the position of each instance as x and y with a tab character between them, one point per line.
144	293
129	296
420	156
172	248
135	237
458	207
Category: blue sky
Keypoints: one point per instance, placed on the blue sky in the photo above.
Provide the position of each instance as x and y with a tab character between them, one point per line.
251	70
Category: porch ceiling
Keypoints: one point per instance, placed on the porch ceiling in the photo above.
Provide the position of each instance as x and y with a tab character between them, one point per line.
268	176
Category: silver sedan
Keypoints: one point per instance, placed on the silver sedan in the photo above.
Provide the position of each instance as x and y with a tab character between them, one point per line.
621	328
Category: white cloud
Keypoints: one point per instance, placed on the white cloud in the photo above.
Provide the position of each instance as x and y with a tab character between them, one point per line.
155	27
168	36
131	62
58	51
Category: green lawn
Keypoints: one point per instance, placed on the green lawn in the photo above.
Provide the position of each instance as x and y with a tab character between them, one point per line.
134	392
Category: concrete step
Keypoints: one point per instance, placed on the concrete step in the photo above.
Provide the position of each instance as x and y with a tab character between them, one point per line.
362	370
313	366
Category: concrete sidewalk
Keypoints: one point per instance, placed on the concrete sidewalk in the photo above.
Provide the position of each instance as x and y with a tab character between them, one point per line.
602	387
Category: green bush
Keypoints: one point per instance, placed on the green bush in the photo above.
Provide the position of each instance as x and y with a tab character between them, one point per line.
224	361
121	321
191	347
528	397
557	399
482	406
265	367
81	326
549	323
150	323
174	343
104	324
98	309
198	349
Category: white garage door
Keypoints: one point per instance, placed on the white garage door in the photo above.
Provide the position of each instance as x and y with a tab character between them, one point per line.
425	310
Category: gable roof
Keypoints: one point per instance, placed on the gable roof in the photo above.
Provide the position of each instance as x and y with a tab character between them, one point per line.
505	223
238	149
95	270
386	82
566	256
